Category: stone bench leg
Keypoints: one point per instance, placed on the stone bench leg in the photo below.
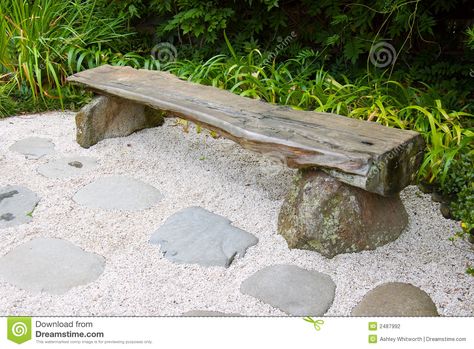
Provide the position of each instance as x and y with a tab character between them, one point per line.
324	215
108	117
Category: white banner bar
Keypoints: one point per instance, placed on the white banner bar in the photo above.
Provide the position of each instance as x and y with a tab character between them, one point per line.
237	332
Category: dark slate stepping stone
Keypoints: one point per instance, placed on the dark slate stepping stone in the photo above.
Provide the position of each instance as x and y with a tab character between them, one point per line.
396	299
208	313
16	205
33	147
294	290
195	235
118	193
50	265
67	167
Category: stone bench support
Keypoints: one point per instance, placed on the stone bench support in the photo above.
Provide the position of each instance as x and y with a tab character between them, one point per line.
109	117
324	215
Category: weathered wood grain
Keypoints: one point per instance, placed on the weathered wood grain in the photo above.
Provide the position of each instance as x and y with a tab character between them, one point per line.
364	154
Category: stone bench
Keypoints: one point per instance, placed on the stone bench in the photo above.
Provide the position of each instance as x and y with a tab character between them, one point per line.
345	195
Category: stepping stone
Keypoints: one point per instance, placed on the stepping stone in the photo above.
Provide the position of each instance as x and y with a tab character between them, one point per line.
195	235
33	147
208	313
16	205
118	193
67	167
396	299
294	290
50	265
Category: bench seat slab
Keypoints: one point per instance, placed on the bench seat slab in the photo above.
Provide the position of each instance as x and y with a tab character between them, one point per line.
363	154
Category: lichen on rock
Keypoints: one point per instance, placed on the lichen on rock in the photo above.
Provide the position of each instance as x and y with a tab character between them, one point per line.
324	215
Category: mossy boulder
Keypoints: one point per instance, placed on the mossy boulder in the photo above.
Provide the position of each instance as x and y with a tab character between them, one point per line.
324	215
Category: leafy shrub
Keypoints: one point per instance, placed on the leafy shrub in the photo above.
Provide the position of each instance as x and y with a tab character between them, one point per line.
459	185
460	174
345	30
463	206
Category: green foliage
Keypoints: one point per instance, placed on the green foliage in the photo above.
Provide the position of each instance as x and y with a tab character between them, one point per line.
201	23
39	34
459	184
200	19
7	105
470	37
463	206
341	28
461	173
79	59
14	100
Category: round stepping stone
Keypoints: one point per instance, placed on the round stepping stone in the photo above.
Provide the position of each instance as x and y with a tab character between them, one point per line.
396	299
294	290
33	147
195	235
118	193
16	205
50	265
208	313
67	167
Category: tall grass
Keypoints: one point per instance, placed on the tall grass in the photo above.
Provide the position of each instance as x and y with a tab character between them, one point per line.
37	36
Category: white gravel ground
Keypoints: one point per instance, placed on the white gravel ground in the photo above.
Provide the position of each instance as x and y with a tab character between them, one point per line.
193	169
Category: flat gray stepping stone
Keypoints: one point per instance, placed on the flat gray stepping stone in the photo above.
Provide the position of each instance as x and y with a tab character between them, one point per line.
33	147
16	205
118	193
67	167
50	265
195	235
396	299
208	313
294	290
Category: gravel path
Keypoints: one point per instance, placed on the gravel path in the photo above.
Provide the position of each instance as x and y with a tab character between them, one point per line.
192	169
